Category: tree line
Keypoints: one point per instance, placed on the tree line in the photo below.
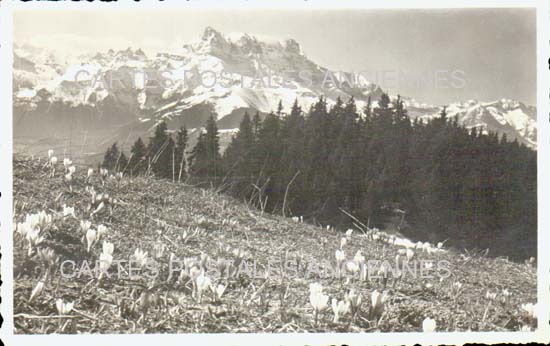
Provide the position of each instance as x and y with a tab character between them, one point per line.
432	180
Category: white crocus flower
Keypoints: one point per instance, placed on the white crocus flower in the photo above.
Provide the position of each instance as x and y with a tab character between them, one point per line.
426	247
34	238
194	273
22	228
490	295
218	291
530	308
85	225
47	256
353	298
44	219
352	267
50	153
62	307
68	177
68	211
339	308
440	245
428	325
359	258
343	242
90	172
53	160
315	288
101	231
108	248
378	298
67	162
317	299
105	261
410	255
203	283
72	169
377	303
140	257
91	237
158	250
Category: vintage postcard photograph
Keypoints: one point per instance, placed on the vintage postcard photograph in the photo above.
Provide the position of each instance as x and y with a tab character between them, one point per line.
333	173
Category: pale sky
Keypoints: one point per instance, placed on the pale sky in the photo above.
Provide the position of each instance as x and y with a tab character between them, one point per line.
494	49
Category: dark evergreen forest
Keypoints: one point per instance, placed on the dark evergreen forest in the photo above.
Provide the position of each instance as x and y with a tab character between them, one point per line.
439	180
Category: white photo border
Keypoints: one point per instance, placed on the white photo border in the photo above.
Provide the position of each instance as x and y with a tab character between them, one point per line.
542	334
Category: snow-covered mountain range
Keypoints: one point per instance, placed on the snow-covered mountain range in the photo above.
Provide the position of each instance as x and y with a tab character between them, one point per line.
122	94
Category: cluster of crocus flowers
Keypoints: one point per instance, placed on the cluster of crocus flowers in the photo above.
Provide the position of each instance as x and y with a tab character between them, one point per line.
298	219
378	301
64	308
31	228
339	308
317	299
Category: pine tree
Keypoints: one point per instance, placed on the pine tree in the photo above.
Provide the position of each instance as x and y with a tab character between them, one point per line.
137	163
205	159
160	155
256	124
238	157
198	165
110	160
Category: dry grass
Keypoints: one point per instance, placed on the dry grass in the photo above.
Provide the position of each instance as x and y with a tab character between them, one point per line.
148	212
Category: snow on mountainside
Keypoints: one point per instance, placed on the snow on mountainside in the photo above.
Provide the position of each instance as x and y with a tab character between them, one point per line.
226	74
504	116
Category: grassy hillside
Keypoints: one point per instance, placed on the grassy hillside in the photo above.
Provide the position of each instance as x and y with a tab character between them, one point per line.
176	222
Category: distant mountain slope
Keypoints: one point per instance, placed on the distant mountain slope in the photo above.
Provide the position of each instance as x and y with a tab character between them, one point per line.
238	72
